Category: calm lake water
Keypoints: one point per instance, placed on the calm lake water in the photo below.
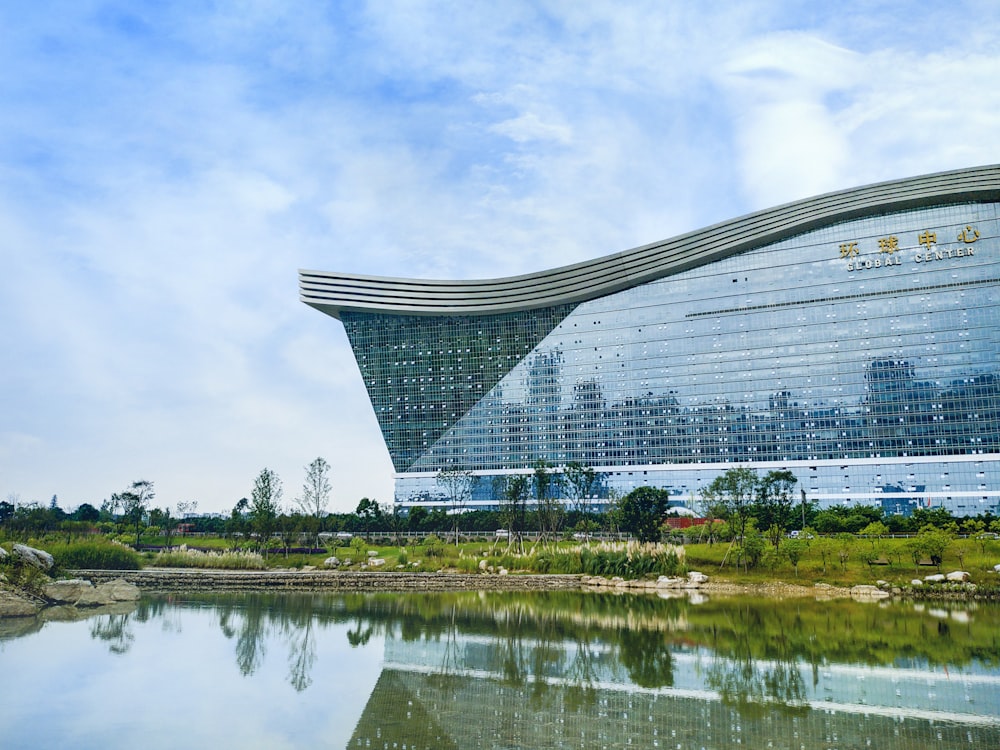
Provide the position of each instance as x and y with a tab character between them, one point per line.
478	670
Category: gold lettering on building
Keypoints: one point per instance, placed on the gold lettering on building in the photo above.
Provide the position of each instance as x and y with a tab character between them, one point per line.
888	244
927	239
969	235
849	249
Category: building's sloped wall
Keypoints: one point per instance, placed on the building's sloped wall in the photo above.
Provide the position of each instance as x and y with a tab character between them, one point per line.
424	373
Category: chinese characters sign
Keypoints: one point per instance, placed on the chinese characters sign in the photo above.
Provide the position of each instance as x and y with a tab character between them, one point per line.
887	251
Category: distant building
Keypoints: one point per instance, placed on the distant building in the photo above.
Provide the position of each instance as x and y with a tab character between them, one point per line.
851	338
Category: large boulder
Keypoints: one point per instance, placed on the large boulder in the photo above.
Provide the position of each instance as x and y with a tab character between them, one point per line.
35	557
958	576
82	593
66	592
120	590
936	578
14	604
331	562
3	554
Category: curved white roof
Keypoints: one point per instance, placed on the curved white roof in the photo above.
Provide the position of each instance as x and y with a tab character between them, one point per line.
335	292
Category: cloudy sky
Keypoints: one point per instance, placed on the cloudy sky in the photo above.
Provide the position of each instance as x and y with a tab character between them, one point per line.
166	169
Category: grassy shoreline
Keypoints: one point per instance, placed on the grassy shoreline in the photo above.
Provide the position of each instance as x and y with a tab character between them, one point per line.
840	562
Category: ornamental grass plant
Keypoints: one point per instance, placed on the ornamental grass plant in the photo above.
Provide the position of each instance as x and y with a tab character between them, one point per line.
94	554
224	560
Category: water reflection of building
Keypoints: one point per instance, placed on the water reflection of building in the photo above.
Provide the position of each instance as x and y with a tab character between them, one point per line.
850	338
474	691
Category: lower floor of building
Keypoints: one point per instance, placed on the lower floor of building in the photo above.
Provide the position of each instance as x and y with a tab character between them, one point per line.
964	485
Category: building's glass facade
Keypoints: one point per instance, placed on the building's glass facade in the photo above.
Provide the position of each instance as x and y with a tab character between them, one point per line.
864	356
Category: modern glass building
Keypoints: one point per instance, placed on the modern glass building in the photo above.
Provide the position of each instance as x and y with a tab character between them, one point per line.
852	338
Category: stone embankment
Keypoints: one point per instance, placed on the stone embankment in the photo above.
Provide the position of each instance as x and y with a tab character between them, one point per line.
199	579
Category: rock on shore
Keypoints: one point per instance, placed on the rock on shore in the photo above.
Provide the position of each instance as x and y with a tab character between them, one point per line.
74	593
82	593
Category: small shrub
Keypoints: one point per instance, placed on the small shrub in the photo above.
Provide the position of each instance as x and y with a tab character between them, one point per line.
433	546
22	575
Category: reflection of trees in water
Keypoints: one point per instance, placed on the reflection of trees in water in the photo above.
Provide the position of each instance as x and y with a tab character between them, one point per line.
250	645
751	687
581	675
360	635
160	609
448	676
647	658
301	656
536	639
115	630
252	620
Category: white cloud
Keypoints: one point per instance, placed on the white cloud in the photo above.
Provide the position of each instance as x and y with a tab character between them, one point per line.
812	117
531	127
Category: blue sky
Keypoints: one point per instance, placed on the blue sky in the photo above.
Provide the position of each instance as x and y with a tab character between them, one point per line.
166	168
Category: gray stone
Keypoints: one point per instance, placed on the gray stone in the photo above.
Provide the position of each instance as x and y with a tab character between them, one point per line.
936	578
862	593
12	604
331	562
4	554
699	578
960	576
93	597
916	582
669	582
31	556
120	590
82	593
66	592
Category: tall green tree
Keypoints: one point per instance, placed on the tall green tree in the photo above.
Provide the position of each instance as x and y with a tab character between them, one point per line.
162	519
513	508
775	500
7	509
368	512
265	504
458	485
582	483
238	522
134	502
735	492
550	512
315	496
315	489
416	518
86	512
642	512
